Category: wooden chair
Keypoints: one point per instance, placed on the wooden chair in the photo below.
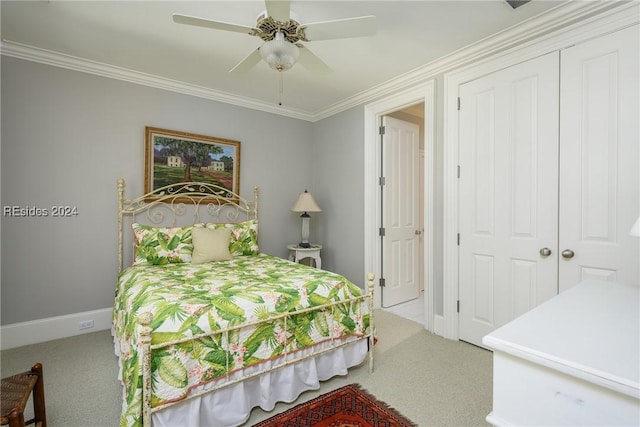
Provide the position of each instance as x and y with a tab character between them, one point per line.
16	390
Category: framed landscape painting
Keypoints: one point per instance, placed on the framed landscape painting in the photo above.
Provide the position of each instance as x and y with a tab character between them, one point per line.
173	157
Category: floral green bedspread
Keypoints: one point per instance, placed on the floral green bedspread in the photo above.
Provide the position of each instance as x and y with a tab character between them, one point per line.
187	300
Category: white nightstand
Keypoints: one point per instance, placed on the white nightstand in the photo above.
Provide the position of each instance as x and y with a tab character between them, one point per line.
296	253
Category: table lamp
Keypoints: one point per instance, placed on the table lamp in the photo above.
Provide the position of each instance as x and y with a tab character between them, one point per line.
305	204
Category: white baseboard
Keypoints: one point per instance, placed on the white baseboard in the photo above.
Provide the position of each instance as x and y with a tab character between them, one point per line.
438	325
51	328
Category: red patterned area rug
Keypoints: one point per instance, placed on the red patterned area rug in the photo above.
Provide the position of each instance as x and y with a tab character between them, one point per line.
348	406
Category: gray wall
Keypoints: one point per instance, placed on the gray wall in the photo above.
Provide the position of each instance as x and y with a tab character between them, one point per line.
338	152
66	138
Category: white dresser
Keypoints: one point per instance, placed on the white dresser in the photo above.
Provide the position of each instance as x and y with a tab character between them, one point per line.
574	360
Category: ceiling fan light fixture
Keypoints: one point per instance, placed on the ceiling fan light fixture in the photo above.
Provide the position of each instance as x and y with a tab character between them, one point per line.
280	54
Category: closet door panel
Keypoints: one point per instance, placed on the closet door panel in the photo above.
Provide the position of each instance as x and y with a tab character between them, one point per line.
599	180
508	194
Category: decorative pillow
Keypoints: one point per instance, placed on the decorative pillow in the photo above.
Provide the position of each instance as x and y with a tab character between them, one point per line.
162	245
210	245
244	236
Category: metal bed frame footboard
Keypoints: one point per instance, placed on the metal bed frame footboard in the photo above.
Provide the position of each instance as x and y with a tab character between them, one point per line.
172	202
145	320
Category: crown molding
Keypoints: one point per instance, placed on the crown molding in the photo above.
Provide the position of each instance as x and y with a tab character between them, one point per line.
571	14
56	59
566	15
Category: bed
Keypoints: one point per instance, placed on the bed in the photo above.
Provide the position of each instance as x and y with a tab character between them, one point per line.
206	327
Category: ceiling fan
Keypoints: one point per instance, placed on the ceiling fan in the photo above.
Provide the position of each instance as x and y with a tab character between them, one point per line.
283	35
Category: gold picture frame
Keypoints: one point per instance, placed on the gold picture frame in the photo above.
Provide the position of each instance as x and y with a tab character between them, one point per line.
172	158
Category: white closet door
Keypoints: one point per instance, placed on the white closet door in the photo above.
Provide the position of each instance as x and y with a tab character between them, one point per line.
401	219
600	159
508	194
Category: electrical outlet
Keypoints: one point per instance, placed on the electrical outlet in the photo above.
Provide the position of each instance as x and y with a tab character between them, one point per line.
86	324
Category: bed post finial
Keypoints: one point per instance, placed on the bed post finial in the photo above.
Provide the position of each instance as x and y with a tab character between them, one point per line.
120	199
255	202
145	320
372	330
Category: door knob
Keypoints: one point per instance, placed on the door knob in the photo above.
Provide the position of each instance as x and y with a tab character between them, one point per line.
418	232
545	251
568	254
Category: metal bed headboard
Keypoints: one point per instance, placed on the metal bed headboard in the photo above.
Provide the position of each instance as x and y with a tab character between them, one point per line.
196	200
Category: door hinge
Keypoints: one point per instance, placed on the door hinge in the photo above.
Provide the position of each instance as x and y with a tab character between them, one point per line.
381	231
382	282
381	130
458	103
381	181
458	239
458	171
458	306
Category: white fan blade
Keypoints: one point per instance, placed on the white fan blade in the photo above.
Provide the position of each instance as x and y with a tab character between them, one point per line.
340	28
208	23
278	10
311	62
248	62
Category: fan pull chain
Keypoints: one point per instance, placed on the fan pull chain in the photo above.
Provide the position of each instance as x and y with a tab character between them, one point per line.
281	88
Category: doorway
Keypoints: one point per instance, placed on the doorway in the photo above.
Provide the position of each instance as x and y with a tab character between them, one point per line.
403	105
401	139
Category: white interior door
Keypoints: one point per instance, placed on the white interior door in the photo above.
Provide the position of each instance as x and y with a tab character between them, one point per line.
400	212
599	154
508	194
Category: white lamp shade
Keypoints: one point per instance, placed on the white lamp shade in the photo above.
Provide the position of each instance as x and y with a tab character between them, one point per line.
306	203
635	230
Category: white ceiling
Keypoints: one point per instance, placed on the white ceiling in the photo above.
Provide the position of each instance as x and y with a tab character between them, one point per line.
141	37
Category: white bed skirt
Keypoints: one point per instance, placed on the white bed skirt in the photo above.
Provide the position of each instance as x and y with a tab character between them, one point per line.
232	405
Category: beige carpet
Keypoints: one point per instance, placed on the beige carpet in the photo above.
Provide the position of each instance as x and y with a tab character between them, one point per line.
431	380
